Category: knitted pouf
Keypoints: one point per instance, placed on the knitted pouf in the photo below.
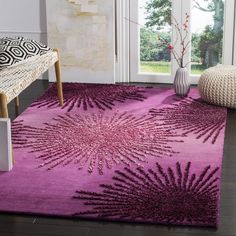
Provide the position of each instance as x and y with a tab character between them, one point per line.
217	86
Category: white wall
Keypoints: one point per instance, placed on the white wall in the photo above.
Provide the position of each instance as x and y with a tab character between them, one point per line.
28	18
24	17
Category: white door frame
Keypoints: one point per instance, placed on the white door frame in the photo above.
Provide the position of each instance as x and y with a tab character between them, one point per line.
122	41
124	31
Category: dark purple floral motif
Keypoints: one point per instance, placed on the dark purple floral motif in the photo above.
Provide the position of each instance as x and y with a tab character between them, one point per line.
98	140
193	117
17	128
171	196
87	96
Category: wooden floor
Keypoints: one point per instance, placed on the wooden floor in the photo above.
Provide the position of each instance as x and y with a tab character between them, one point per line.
21	225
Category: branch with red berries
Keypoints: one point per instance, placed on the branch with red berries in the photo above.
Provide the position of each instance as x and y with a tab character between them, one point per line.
182	35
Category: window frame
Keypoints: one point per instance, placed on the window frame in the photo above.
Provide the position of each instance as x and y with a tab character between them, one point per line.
127	67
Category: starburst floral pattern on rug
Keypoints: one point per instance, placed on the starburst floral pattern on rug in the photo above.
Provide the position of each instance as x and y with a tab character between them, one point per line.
194	117
156	195
88	96
98	140
16	130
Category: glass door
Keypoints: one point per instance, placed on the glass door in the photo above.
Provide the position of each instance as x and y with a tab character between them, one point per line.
150	57
209	38
211	34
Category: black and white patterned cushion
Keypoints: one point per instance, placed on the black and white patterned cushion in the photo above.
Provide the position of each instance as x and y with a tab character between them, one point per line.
13	50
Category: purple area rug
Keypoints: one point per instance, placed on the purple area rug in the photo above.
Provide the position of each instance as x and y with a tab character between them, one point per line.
120	153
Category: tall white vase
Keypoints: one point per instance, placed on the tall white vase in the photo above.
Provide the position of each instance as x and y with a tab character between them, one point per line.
182	82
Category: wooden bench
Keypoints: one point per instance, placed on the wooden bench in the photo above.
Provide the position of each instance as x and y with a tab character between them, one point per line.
16	78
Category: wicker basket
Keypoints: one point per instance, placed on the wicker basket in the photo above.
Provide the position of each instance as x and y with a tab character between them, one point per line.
217	86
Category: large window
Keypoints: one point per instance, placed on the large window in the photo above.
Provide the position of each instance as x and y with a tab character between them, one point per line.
207	34
154	55
151	31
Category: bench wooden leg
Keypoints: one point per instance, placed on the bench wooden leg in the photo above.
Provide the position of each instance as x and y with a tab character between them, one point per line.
17	105
3	105
58	78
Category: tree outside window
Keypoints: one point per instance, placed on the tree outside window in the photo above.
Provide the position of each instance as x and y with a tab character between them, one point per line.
207	42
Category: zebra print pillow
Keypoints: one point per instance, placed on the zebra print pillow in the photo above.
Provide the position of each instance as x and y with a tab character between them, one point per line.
13	50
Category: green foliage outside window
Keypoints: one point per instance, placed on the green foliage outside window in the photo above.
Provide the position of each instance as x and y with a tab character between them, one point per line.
206	46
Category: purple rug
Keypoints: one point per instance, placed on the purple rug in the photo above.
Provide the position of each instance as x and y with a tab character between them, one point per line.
136	154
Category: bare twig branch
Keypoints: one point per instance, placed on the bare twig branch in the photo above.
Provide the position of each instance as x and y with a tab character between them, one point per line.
179	37
198	6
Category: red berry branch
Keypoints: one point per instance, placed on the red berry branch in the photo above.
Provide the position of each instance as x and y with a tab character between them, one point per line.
182	35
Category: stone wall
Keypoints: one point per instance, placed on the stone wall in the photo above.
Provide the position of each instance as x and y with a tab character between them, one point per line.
84	32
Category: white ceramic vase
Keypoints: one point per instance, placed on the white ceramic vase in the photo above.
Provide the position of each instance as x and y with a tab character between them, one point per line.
182	82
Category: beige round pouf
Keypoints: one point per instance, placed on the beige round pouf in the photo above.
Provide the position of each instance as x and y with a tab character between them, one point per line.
217	86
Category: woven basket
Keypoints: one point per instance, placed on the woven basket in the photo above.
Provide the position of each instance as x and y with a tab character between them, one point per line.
217	86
